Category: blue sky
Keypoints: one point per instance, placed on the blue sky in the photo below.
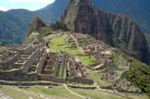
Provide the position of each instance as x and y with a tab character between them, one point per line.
26	4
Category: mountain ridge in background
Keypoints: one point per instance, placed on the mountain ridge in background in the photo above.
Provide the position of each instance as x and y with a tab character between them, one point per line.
15	22
114	29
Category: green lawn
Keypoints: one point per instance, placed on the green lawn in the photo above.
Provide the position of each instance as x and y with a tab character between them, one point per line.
96	94
58	44
93	75
57	91
15	94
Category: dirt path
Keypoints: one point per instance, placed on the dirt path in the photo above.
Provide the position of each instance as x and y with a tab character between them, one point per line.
40	95
3	96
115	92
66	87
75	40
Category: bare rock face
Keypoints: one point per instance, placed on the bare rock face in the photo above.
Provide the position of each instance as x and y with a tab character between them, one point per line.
87	19
114	29
128	37
36	24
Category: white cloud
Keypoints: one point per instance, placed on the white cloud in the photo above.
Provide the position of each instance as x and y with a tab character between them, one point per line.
3	8
32	1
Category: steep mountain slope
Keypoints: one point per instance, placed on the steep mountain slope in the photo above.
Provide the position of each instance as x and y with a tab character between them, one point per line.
128	36
15	22
53	11
12	29
81	16
136	9
36	24
148	39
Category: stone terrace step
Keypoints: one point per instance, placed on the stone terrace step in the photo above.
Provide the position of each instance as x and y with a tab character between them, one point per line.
48	72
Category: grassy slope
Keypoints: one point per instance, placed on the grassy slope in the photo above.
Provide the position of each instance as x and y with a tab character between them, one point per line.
15	94
93	75
97	94
58	91
139	75
58	44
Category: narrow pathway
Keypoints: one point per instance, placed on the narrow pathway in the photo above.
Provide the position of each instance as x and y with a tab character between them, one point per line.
3	96
115	92
66	87
75	40
40	95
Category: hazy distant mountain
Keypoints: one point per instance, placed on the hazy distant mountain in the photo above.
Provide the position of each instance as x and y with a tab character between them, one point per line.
138	10
14	23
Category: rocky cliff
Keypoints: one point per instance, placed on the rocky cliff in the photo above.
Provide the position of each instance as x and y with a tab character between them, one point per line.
36	24
114	29
128	37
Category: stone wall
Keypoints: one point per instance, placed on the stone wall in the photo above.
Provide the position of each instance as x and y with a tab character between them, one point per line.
11	60
10	75
27	50
28	83
82	87
61	80
41	64
80	80
50	78
29	62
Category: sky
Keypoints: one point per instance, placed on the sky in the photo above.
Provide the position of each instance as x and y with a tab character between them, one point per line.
25	4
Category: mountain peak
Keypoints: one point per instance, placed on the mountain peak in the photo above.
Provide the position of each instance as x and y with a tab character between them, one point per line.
36	24
83	17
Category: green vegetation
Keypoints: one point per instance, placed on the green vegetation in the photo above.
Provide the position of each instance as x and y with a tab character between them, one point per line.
97	94
93	75
61	71
139	75
118	61
57	91
44	31
15	94
59	25
58	44
57	72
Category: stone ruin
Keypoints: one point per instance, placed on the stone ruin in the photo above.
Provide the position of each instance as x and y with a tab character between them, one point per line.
105	67
63	67
35	62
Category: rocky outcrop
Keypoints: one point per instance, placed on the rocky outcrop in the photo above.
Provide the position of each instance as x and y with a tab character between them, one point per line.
114	29
128	36
36	24
87	19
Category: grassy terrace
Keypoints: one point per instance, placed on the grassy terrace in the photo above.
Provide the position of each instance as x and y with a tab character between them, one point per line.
61	92
93	75
58	44
15	94
58	92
